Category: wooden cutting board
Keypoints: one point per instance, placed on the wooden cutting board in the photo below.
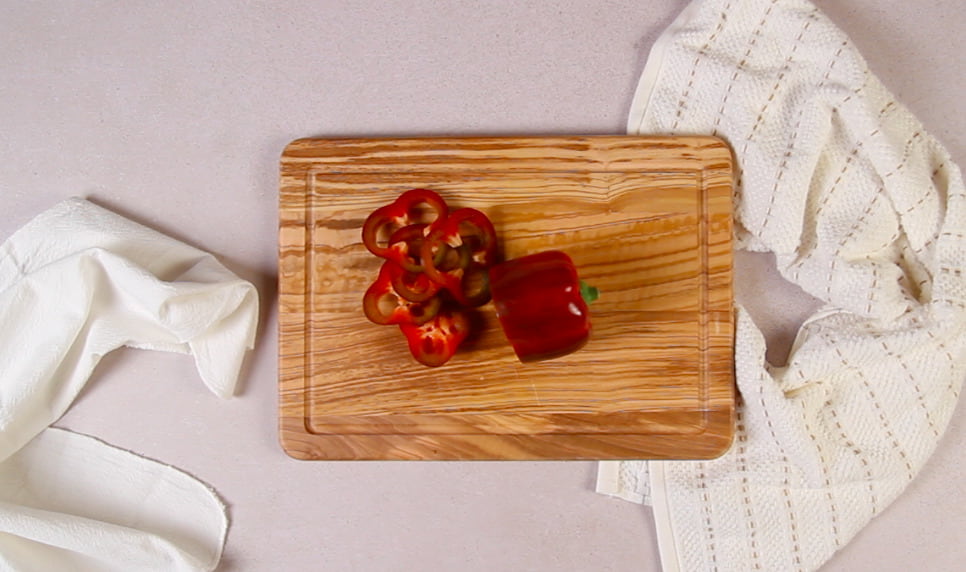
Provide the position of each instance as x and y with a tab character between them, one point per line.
646	219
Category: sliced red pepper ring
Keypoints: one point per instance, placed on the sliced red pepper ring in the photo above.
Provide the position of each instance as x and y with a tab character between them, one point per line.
413	286
405	247
474	286
435	342
409	208
471	234
468	285
384	306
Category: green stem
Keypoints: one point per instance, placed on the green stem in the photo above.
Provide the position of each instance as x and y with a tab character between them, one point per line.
588	293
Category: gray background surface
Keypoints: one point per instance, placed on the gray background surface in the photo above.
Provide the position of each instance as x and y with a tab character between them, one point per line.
174	115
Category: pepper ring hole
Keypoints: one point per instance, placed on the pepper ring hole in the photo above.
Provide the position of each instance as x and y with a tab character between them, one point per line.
387	303
385	231
422	213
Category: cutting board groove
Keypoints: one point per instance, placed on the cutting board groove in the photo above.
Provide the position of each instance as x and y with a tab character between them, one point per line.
646	219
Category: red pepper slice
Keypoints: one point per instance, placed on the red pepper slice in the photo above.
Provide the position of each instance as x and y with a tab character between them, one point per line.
383	305
413	286
405	247
404	211
435	342
539	302
471	234
424	254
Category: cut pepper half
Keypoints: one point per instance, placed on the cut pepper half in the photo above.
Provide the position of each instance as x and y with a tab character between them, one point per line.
384	306
435	342
542	305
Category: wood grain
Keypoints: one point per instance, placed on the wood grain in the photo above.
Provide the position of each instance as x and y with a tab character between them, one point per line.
646	219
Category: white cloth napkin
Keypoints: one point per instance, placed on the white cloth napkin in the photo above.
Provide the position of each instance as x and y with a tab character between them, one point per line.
75	283
864	210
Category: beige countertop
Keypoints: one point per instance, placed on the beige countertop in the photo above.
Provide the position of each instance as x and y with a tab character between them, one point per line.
175	117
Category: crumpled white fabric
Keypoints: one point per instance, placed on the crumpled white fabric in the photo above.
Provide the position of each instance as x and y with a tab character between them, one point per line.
865	211
75	283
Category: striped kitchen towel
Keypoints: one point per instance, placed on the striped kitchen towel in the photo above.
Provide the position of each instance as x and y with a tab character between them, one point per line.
864	211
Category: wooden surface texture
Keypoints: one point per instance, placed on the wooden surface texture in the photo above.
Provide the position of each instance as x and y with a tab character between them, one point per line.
646	219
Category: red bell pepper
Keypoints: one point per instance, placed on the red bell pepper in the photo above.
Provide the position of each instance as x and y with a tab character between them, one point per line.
467	240
383	305
542	305
408	209
434	343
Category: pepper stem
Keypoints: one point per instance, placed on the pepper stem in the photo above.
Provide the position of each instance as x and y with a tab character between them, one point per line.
588	293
